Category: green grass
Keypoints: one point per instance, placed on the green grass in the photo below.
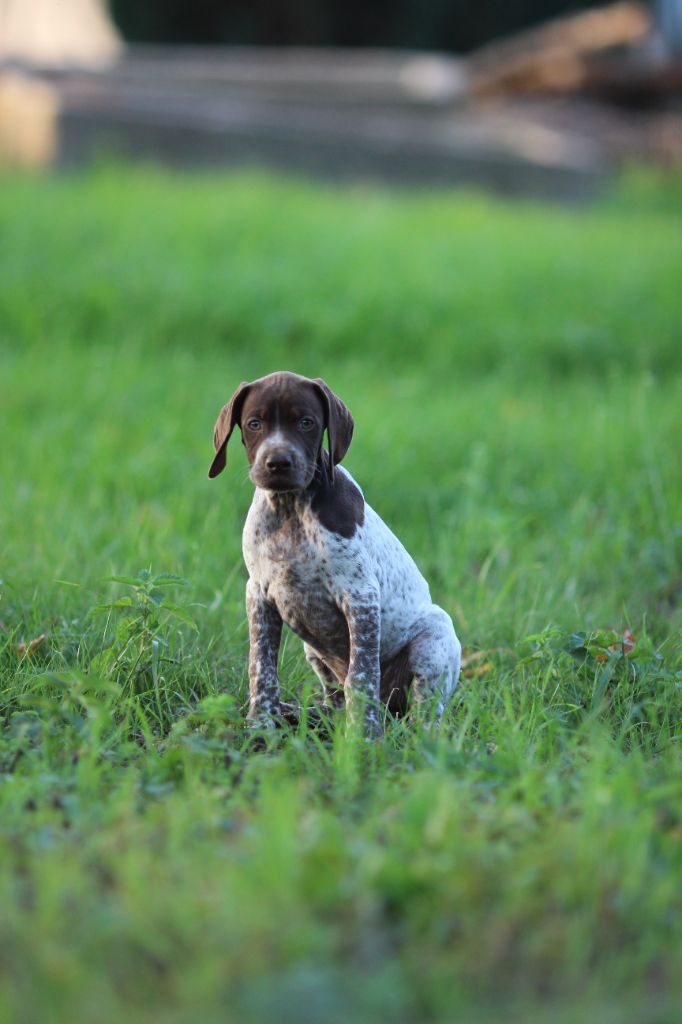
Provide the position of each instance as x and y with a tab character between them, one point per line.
514	373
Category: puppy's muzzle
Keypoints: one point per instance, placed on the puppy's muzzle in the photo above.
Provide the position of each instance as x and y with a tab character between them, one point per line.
280	468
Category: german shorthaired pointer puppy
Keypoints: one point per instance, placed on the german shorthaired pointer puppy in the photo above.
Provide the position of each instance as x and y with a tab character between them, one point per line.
321	560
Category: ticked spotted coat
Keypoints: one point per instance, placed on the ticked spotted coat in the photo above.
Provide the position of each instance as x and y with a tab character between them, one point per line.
322	561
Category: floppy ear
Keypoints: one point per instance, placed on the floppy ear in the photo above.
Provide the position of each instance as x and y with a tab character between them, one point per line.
225	424
339	424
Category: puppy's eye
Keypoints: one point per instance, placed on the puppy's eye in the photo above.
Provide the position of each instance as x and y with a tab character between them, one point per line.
306	423
254	424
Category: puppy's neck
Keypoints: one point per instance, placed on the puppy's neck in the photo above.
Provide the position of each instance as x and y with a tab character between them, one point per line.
289	504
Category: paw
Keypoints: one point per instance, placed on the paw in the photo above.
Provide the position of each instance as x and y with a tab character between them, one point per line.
264	717
374	729
369	726
334	700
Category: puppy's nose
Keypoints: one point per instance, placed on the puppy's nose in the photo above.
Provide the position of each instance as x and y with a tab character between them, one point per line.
278	461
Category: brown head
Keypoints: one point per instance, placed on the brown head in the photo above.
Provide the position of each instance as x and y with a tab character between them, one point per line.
282	418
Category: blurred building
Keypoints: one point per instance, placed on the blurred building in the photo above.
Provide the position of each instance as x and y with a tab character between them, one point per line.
543	112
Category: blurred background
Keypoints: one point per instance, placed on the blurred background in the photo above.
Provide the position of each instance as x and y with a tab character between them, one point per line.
533	97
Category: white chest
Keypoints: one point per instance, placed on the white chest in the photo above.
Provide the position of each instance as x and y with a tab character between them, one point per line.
293	562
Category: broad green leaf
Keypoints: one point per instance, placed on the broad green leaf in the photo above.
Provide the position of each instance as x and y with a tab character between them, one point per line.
168	579
131	581
181	614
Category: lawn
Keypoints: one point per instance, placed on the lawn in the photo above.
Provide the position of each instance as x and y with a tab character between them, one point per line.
514	374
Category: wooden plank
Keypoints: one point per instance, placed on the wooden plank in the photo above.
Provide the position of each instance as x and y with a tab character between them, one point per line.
552	57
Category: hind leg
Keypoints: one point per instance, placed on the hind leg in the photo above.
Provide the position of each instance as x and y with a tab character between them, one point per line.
332	689
434	658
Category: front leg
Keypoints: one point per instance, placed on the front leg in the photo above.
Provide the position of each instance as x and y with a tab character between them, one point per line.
333	696
362	683
265	633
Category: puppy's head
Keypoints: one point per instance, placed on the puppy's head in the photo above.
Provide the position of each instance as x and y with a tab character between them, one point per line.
282	418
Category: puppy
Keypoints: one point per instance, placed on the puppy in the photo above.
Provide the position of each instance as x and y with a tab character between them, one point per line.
321	560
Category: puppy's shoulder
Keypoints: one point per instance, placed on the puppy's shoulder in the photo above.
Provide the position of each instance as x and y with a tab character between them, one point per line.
340	507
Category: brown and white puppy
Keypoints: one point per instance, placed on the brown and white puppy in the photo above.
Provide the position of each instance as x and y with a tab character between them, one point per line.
322	561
